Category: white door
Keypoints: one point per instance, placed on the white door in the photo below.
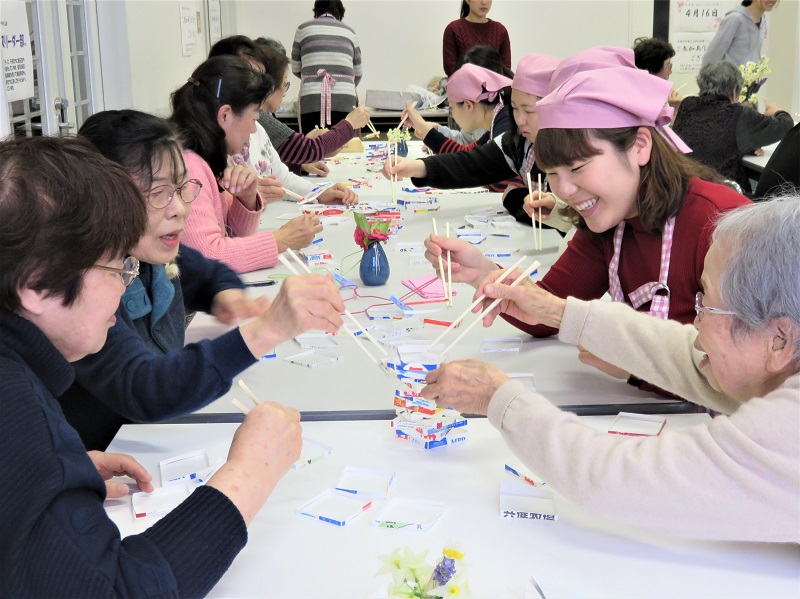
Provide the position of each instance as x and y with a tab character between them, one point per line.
67	78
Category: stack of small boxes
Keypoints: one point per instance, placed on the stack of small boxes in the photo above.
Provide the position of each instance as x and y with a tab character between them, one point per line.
418	420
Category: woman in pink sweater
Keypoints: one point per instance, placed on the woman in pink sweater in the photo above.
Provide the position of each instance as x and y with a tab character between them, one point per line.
215	112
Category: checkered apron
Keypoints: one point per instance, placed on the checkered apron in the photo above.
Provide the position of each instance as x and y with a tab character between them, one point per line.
649	291
325	101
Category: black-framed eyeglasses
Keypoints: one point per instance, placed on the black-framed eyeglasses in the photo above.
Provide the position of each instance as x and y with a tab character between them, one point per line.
701	309
128	272
286	85
160	197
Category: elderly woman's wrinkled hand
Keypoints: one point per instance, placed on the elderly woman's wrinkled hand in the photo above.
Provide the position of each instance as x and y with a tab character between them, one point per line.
465	385
526	301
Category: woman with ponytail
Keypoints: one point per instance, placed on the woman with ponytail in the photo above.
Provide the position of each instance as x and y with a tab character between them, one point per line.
215	112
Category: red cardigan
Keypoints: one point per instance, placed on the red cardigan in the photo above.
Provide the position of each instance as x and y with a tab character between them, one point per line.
582	270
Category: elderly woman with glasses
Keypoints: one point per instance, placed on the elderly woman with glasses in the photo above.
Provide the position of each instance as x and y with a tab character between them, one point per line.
67	218
735	478
144	373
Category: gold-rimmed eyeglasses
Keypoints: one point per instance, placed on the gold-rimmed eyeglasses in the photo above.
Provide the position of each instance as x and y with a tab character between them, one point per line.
128	272
160	197
701	309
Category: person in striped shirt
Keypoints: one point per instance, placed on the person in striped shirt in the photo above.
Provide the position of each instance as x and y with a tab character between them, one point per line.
327	59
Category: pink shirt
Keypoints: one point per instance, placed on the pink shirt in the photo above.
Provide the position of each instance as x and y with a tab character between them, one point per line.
220	227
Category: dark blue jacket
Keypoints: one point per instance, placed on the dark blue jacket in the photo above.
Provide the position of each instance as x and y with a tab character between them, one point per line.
144	373
55	538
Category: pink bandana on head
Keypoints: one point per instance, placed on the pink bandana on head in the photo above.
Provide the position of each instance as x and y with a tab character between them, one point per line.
475	83
610	98
533	74
599	57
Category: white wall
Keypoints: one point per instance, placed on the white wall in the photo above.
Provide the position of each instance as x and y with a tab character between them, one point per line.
401	40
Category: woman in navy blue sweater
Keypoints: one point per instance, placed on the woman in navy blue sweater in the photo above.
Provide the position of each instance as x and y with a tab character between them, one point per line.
67	219
144	373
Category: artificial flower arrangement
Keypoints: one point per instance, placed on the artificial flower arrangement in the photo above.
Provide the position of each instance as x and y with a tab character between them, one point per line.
367	233
413	577
754	75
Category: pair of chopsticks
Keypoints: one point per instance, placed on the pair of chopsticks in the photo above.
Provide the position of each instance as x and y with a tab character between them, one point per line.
525	274
375	132
302	264
244	409
537	229
447	282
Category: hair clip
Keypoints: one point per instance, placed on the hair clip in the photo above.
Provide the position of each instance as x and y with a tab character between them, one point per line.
193	81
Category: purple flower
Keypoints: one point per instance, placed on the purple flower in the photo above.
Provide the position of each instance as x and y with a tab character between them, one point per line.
444	571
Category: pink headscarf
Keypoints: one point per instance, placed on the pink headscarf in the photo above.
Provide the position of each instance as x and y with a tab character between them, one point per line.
475	83
608	98
599	57
533	74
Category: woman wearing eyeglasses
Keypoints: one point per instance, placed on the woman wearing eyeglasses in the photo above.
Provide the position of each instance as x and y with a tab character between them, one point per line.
144	373
736	477
67	219
215	112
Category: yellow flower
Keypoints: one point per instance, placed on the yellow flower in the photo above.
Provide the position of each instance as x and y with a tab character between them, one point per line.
452	553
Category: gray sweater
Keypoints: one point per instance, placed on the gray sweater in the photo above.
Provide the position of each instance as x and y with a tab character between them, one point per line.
738	39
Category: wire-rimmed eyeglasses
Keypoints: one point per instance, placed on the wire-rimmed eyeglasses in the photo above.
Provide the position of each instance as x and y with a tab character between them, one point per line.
160	197
128	272
701	309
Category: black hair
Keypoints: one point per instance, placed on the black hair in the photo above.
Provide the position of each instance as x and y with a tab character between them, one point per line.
275	63
650	53
333	7
238	45
486	57
138	141
219	81
272	43
64	207
464	9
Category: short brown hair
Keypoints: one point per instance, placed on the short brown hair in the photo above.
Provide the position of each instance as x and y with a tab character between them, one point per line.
664	179
63	208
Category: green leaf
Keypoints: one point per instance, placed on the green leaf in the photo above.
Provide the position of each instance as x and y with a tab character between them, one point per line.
361	221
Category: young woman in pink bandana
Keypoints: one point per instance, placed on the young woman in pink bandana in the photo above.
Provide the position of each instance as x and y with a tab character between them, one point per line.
644	212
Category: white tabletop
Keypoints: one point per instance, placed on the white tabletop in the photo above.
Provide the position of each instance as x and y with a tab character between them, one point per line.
290	556
355	385
758	163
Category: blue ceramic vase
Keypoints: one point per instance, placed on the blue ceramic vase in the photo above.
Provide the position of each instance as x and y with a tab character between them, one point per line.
374	269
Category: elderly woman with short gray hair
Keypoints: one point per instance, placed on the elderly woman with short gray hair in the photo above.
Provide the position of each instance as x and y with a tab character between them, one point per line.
736	477
719	130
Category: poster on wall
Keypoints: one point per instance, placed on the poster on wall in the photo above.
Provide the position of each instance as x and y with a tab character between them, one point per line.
190	28
214	21
16	51
689	50
697	16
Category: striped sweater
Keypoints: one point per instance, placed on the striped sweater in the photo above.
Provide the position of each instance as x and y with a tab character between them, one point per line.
326	44
295	149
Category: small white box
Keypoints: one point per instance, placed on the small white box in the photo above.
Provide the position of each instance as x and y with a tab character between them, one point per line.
637	425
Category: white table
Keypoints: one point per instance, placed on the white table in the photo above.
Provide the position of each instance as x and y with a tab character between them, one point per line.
290	556
758	163
355	387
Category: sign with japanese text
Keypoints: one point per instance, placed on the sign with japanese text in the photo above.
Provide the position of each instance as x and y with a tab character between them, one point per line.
16	51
